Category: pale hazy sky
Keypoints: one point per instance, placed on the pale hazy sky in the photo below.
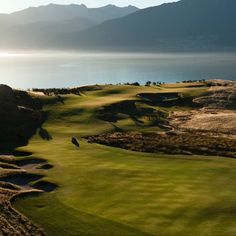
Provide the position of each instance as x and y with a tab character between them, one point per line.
7	6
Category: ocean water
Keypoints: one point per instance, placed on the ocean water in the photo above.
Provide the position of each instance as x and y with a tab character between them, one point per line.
66	69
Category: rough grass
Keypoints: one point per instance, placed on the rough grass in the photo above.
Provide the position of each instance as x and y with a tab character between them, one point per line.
187	143
107	191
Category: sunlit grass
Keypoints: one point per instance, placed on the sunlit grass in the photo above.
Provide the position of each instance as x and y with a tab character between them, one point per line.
107	191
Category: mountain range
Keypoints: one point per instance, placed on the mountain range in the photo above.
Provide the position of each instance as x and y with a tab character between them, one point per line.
182	25
37	26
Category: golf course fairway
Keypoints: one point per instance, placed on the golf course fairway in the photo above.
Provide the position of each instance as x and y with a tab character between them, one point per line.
107	191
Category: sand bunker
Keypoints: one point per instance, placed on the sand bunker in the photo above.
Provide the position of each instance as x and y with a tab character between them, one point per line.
13	223
16	182
21	179
45	186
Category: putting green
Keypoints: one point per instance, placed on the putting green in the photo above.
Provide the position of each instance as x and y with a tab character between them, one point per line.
107	191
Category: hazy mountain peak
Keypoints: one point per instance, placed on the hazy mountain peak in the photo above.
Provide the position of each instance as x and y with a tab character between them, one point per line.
187	23
37	24
110	5
57	12
184	24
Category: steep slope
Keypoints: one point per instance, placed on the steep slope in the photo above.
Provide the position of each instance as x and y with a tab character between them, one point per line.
20	116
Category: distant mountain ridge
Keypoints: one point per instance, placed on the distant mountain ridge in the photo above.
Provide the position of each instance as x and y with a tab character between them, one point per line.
187	24
41	25
56	12
184	25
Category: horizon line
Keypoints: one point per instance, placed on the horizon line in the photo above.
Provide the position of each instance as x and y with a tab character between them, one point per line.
81	4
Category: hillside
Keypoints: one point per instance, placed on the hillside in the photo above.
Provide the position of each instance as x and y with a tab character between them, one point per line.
37	26
187	24
109	191
99	188
20	117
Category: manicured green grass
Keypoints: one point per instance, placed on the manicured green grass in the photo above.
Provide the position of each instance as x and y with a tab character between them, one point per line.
105	191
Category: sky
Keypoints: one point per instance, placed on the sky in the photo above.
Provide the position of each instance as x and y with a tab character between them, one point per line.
8	6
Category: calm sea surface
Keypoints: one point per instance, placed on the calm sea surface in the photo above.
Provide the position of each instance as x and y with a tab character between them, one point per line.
44	70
